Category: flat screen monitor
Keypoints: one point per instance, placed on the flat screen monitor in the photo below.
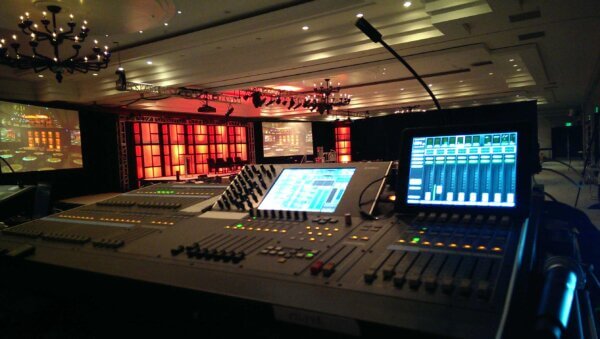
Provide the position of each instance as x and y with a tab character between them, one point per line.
471	170
308	189
287	139
36	138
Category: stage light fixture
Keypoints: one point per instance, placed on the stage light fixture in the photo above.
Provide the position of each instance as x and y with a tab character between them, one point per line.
229	110
256	100
122	79
298	105
271	101
292	103
278	100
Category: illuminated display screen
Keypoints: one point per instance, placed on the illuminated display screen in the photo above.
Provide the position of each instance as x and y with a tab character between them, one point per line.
35	138
287	138
464	170
308	189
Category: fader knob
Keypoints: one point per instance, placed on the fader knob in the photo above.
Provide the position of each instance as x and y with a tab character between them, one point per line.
348	219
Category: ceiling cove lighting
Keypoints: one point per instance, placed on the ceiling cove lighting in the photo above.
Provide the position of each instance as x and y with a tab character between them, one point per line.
305	28
407	4
55	36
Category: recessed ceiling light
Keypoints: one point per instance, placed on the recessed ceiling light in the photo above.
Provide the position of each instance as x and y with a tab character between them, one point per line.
461	81
430	85
95	74
511	60
179	12
359	15
106	35
166	24
305	28
149	62
515	65
141	32
40	75
518	69
491	73
407	4
402	89
120	69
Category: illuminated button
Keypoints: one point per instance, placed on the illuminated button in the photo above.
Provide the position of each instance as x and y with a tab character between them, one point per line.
326	229
402	241
415	240
259	229
496	249
354	237
421	232
266	229
250	228
364	238
481	248
307	227
336	229
309	233
281	260
467	246
309	255
319	233
300	255
312	239
453	245
275	230
283	231
439	244
426	243
329	234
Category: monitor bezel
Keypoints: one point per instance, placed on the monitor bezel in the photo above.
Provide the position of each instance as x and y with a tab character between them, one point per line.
523	193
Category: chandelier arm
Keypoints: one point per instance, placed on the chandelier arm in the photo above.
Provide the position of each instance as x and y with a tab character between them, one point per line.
46	28
39	55
39	35
74	55
40	69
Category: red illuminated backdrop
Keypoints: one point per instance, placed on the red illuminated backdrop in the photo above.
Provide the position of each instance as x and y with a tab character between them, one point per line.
342	144
163	149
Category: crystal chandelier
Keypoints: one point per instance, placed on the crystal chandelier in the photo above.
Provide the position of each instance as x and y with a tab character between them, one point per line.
326	97
55	36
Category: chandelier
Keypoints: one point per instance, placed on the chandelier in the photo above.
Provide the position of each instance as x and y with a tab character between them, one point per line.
326	97
55	35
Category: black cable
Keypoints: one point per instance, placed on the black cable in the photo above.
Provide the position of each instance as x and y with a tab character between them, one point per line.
375	36
562	175
364	214
550	196
563	163
7	164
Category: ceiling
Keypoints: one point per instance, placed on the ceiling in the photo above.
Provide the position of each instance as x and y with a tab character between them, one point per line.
470	52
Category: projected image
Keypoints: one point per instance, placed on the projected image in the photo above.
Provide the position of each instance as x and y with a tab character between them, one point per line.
464	170
308	189
287	138
35	138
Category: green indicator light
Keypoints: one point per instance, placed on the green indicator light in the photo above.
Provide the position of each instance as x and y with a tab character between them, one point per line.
239	225
424	228
568	124
253	218
596	109
415	240
309	255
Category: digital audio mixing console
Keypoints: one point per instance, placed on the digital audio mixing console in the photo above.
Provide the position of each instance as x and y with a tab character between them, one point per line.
293	236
